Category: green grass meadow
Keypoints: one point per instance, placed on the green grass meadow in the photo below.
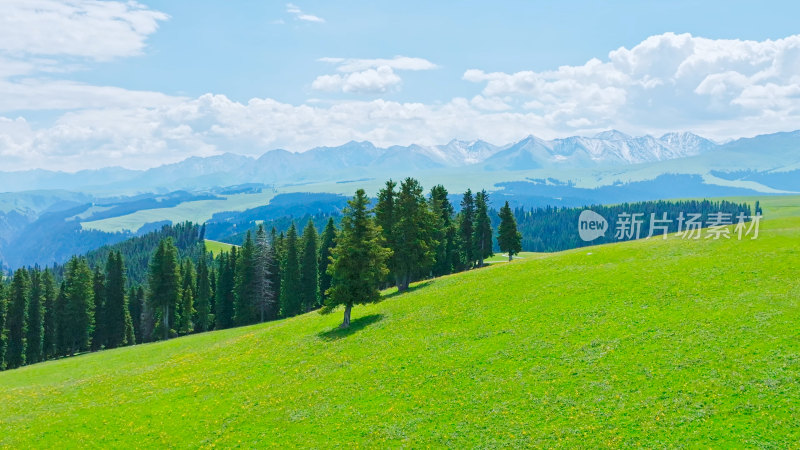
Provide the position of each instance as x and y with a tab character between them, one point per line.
656	343
197	211
217	247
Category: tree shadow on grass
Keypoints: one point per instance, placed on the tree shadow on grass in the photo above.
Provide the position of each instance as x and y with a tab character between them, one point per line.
355	326
409	290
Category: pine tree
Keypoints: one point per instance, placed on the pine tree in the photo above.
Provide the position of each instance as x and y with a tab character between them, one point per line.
165	285
276	258
212	297
327	242
359	259
508	238
3	316
309	268
466	220
77	324
61	314
225	288
147	317
50	338
386	218
482	230
445	232
35	328
264	293
205	318
186	309
244	307
99	287
119	324
290	299
135	304
17	319
413	240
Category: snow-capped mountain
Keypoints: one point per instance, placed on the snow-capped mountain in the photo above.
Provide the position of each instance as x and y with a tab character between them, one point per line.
357	160
460	153
603	149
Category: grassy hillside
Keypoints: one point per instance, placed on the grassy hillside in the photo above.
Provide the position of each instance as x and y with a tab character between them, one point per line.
647	343
217	247
197	211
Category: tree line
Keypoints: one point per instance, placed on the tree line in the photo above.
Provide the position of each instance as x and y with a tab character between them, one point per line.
166	285
107	300
552	229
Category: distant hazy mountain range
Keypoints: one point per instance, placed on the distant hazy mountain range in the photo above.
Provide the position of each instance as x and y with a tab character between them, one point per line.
46	216
354	159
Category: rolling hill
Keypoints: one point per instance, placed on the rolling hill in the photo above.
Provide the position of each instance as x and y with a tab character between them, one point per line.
656	343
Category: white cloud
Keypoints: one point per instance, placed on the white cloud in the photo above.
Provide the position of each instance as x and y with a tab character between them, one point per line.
367	76
79	28
374	81
37	94
490	103
300	15
43	38
398	63
666	81
143	137
717	88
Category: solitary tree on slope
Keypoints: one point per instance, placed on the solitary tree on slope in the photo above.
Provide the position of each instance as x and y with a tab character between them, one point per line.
508	238
358	261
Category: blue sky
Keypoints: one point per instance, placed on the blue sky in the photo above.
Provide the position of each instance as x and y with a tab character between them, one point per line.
239	51
144	84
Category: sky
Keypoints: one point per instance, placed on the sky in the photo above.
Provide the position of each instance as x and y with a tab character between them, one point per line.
87	84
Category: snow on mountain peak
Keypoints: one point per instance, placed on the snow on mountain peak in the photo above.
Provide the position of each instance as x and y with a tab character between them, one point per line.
612	135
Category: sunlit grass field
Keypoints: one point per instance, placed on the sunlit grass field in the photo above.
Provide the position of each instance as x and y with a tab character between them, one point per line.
217	247
642	344
197	211
503	257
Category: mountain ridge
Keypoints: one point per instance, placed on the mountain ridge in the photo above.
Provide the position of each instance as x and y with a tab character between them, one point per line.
350	160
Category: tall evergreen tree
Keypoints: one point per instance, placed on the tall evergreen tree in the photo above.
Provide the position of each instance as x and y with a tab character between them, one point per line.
386	217
244	307
290	300
3	333
50	337
99	287
17	319
327	242
35	328
165	285
264	293
135	305
225	288
359	258
309	268
77	322
508	238
186	311
205	318
413	240
147	319
61	314
482	230
445	232
119	324
212	298
276	258
466	221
